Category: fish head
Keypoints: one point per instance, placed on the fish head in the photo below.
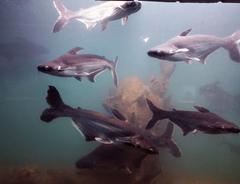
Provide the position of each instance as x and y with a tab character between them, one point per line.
144	144
55	67
131	6
168	52
224	127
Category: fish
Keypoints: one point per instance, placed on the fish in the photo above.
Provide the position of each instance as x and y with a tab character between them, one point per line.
196	47
221	100
22	48
191	121
138	137
113	157
73	64
234	148
102	14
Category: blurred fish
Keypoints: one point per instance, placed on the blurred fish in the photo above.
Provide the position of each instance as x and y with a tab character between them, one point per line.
196	47
72	64
233	147
22	48
190	121
113	157
102	13
139	138
220	98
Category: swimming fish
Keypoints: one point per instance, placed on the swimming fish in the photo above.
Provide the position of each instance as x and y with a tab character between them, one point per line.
102	13
72	64
137	137
191	121
196	47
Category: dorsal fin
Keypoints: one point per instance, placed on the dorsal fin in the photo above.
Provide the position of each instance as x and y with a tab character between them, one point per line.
118	115
185	33
74	50
201	109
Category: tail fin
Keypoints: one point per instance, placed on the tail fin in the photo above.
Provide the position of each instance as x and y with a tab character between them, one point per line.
157	114
233	46
175	151
114	74
64	15
56	105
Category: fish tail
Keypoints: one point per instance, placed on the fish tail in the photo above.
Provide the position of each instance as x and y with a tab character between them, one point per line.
175	151
56	105
157	114
233	46
64	15
114	73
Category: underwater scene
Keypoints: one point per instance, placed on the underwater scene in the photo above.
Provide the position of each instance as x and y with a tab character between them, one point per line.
119	92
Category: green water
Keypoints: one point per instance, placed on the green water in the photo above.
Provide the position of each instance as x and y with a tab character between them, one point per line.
25	139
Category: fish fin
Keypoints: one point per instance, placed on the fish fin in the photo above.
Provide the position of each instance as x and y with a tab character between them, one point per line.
118	115
77	124
185	33
74	50
78	78
186	130
172	146
89	24
56	105
157	114
104	25
103	140
91	77
64	15
114	73
189	61
201	109
124	20
232	44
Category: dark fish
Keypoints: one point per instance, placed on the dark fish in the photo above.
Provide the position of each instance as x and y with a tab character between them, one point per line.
136	137
72	64
113	157
189	121
102	13
219	98
22	48
196	47
234	148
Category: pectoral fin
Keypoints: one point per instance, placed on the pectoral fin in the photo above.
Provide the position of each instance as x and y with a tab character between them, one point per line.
124	20
104	25
78	78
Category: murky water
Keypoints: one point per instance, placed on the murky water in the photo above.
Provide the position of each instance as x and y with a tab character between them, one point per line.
26	28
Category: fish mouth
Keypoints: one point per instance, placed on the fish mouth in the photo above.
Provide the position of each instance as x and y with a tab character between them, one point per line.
48	69
158	54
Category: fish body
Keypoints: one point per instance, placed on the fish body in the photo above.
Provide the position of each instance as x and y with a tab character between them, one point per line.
72	64
196	47
190	121
129	134
219	98
102	13
113	157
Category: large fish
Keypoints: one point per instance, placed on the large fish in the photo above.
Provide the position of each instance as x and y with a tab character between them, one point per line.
102	13
218	98
72	64
190	121
109	125
196	47
113	157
